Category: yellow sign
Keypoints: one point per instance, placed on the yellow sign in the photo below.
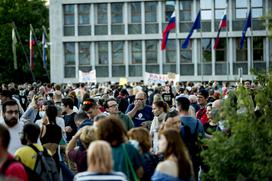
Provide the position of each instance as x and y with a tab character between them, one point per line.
122	81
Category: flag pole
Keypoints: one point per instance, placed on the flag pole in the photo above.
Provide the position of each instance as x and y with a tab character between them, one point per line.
251	39
39	51
201	50
227	42
27	59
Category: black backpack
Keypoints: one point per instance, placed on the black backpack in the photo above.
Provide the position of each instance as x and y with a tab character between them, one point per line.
45	167
191	140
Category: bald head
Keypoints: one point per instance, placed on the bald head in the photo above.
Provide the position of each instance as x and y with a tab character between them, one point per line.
217	104
140	95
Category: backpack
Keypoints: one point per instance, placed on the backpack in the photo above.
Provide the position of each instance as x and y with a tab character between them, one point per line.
45	167
191	140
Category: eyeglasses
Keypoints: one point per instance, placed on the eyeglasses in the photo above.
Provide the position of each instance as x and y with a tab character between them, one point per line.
11	112
114	105
139	99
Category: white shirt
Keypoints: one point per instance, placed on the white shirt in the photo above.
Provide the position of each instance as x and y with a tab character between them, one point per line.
15	131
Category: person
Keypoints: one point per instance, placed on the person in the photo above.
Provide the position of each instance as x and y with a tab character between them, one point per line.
100	164
177	165
122	99
70	126
79	156
9	168
7	95
139	112
202	97
51	133
172	120
194	132
10	111
91	108
32	112
28	156
112	108
111	130
82	120
212	125
168	96
159	109
142	137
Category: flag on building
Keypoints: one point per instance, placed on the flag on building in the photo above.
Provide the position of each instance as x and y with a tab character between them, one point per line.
171	25
31	50
222	24
14	42
246	26
44	46
196	25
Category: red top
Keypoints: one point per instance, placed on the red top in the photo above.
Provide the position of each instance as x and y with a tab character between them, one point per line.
202	116
15	170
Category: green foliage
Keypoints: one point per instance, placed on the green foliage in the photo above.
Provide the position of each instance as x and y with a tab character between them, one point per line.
247	153
22	13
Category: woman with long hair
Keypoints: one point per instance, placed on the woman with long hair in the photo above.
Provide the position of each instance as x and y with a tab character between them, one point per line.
159	109
177	165
100	164
51	133
32	112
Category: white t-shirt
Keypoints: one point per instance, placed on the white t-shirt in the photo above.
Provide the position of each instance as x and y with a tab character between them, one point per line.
15	131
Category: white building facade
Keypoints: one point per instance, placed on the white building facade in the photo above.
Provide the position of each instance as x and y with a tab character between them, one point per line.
123	39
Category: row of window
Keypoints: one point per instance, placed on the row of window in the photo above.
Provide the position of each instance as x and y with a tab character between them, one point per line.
151	51
151	11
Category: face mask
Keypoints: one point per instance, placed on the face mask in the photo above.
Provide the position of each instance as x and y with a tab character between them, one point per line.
42	114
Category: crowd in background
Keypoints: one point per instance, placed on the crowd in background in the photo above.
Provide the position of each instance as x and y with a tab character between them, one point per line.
106	131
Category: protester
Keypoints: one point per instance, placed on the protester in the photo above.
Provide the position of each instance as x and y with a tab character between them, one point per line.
177	164
32	112
78	155
100	164
10	111
111	130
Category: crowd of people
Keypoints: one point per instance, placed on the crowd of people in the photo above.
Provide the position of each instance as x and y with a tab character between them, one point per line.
107	131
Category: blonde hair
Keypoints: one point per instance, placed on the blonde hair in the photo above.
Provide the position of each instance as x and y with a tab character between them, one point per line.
34	100
100	157
88	135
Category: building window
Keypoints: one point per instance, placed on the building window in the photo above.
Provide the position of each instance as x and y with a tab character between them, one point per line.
102	14
102	53
69	60
185	10
206	49
136	52
84	53
241	54
220	8
257	49
84	27
186	54
169	9
206	9
151	12
241	8
257	8
69	14
101	27
171	51
135	9
151	51
117	52
117	13
220	54
83	14
69	20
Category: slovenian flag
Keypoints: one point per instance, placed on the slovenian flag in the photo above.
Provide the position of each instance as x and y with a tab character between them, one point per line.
171	25
246	26
196	25
222	24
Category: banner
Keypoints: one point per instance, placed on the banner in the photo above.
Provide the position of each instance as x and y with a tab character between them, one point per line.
122	81
151	78
87	76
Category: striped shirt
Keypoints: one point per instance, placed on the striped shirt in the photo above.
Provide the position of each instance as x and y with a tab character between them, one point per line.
112	176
